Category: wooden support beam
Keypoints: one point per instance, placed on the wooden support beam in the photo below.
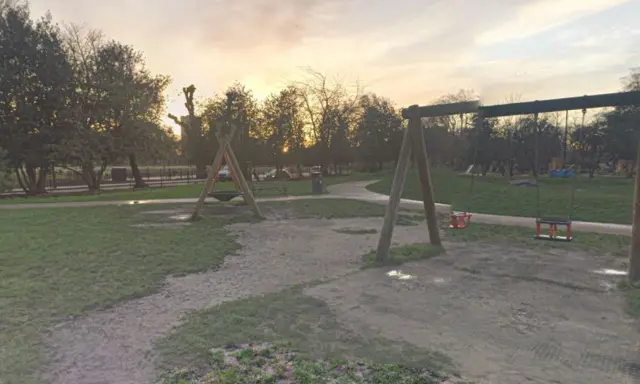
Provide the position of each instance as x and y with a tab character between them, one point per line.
444	109
530	107
566	104
242	183
634	249
391	214
215	165
422	160
536	148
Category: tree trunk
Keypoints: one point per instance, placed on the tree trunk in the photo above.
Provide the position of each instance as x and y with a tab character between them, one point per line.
43	172
90	177
32	180
135	171
201	171
246	170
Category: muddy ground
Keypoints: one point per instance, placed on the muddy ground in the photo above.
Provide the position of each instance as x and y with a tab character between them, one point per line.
504	315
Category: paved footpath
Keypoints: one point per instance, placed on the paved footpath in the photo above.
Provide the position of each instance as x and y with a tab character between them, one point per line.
357	191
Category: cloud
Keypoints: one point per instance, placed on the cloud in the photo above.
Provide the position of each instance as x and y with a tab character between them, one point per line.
247	24
412	50
447	31
553	86
542	15
607	38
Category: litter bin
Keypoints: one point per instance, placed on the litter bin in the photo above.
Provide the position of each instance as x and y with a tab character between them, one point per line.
119	175
317	185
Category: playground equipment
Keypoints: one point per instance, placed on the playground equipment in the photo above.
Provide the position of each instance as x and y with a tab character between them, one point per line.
461	220
414	137
553	229
562	173
225	195
554	223
224	133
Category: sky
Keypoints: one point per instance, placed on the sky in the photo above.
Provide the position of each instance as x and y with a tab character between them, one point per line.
412	51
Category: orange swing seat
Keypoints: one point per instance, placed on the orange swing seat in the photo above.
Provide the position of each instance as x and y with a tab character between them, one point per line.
460	220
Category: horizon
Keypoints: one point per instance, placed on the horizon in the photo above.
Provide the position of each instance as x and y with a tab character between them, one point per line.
527	49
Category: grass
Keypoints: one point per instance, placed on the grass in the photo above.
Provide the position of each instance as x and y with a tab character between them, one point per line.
294	188
61	263
305	324
402	254
603	199
58	264
336	209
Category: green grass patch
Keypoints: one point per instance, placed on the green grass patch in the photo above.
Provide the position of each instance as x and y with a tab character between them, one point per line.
603	199
402	254
335	209
294	188
62	262
305	324
582	241
58	263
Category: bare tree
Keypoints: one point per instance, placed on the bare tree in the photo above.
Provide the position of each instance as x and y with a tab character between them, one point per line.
89	147
453	124
328	106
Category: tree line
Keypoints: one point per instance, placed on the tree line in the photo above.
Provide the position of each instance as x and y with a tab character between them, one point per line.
72	98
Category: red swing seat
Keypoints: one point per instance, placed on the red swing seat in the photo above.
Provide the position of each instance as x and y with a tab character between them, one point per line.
459	220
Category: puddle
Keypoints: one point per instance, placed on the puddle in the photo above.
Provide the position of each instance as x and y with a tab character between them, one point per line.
162	212
610	272
161	225
607	285
181	217
399	275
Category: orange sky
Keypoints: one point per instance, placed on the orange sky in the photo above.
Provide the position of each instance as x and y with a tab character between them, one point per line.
410	50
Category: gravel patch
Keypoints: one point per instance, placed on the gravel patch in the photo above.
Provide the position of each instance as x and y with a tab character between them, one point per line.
115	345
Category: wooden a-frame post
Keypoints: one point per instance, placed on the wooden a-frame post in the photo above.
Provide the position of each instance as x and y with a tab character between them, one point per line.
225	146
413	137
634	249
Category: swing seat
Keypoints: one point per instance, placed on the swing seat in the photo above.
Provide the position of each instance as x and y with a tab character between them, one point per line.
553	230
224	195
460	220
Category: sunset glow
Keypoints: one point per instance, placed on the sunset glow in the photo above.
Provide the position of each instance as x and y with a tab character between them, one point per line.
411	51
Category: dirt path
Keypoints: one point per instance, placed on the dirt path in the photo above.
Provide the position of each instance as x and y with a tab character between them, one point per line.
115	346
507	316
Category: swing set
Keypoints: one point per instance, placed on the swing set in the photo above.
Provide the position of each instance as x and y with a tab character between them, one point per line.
461	220
413	142
225	195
